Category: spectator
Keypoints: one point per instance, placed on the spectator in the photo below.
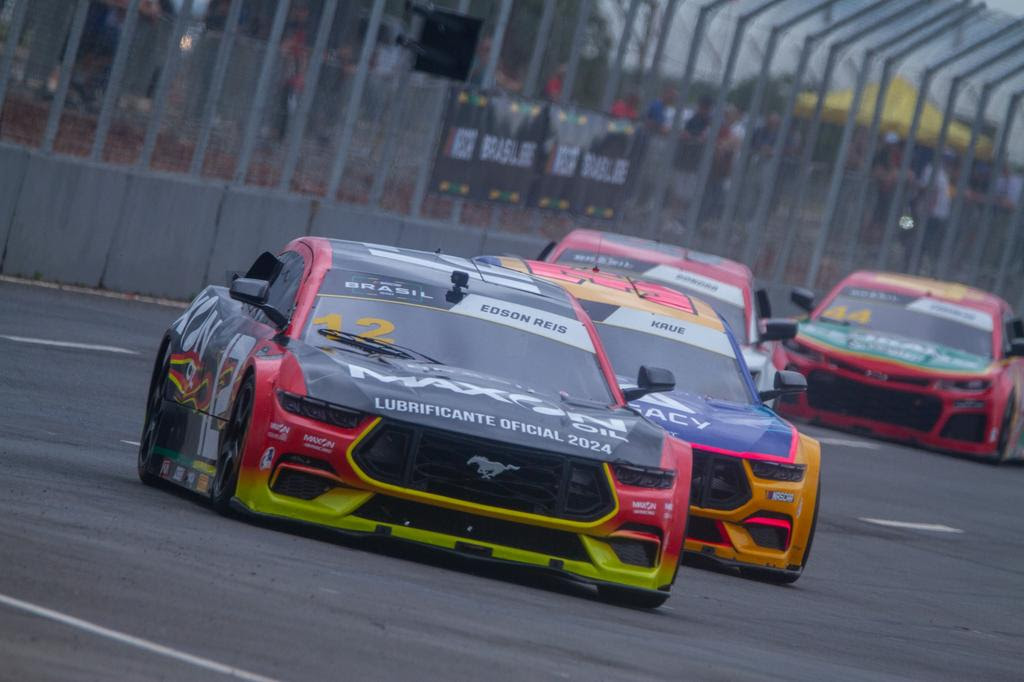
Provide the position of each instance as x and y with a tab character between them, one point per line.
726	144
661	110
626	107
935	202
765	135
1008	188
696	127
294	60
553	87
885	172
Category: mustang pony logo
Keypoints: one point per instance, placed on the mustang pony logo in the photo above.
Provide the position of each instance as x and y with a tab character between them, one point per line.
488	469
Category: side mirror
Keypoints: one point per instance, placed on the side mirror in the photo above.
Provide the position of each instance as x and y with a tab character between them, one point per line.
777	330
1016	328
786	383
254	292
1016	348
650	380
546	251
764	304
802	298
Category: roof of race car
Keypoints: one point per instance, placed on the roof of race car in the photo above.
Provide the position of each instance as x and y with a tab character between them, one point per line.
435	269
923	286
640	254
620	291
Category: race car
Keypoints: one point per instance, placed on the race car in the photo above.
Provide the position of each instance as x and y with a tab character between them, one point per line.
755	491
727	285
388	392
910	359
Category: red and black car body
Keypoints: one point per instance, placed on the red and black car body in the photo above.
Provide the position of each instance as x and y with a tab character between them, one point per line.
389	392
910	359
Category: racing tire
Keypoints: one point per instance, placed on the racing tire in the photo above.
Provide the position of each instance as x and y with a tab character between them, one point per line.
232	445
775	577
147	461
1002	449
631	597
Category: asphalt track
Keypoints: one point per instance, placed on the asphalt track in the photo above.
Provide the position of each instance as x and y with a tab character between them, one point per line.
79	535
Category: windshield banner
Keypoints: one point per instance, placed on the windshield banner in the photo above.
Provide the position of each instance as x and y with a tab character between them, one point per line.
521	152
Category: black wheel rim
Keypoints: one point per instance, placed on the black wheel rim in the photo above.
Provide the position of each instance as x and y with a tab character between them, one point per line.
1004	433
231	453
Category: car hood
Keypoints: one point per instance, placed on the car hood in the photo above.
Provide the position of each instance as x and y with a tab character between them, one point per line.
752	431
479	405
872	345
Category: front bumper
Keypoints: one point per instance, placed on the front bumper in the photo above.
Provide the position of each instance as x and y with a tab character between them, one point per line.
904	409
636	545
766	524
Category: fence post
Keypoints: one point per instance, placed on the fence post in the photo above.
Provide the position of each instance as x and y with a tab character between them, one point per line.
66	67
986	218
959	12
611	86
10	45
708	151
582	17
653	227
838	167
540	44
953	226
220	70
113	90
758	224
651	80
310	81
252	126
908	147
163	85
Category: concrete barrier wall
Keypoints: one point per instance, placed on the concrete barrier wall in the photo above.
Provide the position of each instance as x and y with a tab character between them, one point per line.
76	222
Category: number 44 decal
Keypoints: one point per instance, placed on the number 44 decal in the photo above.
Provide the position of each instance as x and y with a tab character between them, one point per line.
840	312
376	327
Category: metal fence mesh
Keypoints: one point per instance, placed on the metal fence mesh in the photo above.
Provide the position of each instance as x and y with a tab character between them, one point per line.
313	96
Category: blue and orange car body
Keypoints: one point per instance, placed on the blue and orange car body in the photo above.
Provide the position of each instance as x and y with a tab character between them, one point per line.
739	515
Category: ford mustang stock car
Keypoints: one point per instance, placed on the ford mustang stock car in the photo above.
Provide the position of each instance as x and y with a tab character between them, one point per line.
727	285
910	359
755	490
389	392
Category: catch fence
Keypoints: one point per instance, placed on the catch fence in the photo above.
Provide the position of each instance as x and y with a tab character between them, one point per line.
798	136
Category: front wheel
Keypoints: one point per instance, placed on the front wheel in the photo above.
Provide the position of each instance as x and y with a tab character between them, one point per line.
632	597
1004	449
148	460
229	457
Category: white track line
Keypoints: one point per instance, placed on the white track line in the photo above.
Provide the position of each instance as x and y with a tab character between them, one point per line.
69	344
133	443
137	642
936	527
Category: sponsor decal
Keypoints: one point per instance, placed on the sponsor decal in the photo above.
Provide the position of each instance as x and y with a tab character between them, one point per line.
165	468
488	469
609	427
380	287
954	312
645	507
267	459
922	353
779	496
567	330
691	333
664	408
699	284
179	474
279	431
190	480
601	260
203	484
318	443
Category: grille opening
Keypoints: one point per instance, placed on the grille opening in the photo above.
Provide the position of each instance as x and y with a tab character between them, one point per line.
705	530
965	427
898	378
769	530
832	393
642	528
399	512
311	462
487	473
301	484
634	552
719	481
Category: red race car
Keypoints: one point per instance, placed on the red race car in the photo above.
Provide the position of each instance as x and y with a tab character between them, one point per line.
383	391
914	360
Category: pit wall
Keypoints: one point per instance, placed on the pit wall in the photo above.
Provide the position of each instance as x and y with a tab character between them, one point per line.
77	222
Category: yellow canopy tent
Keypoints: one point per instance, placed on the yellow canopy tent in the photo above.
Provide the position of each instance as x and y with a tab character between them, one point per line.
897	115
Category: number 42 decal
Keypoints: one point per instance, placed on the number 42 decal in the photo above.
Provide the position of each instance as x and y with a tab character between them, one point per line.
376	327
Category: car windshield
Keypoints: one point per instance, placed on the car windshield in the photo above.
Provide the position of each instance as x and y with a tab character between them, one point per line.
537	348
921	318
701	357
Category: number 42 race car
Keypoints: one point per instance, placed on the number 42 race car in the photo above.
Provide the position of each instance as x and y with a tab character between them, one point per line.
382	391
